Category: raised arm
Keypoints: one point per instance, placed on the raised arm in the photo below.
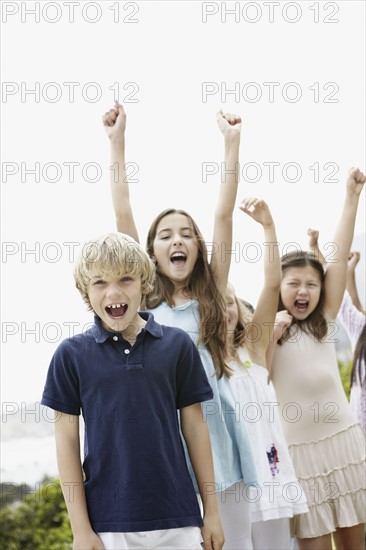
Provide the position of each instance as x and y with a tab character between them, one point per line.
313	235
196	435
353	260
72	483
265	311
336	273
230	126
114	122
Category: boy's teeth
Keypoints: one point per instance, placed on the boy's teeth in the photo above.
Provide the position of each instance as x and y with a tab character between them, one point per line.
117	310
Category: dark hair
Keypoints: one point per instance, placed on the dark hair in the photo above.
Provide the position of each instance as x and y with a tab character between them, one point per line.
359	357
201	286
315	323
248	305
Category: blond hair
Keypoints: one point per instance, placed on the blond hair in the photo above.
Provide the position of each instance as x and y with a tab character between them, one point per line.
113	254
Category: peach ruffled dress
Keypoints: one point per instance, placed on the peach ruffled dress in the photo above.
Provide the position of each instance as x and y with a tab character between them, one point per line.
326	443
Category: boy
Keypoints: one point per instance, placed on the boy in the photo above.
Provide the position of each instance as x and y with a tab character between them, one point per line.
128	375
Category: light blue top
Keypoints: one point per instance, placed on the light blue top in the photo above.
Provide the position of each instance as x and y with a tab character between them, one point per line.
232	454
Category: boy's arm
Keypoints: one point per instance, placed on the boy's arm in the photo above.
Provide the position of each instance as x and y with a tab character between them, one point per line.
115	125
230	126
196	435
353	260
336	273
265	311
72	483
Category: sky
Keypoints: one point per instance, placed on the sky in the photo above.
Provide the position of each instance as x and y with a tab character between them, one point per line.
294	72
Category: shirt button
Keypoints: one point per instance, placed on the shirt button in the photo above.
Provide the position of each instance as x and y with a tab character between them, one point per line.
127	351
115	338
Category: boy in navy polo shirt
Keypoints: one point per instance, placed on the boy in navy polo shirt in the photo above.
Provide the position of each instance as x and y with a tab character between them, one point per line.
128	375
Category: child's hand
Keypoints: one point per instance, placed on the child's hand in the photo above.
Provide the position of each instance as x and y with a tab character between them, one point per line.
230	125
258	210
353	259
212	533
282	322
89	541
314	244
114	122
355	181
313	235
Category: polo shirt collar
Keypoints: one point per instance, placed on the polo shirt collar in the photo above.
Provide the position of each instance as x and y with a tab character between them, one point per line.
101	334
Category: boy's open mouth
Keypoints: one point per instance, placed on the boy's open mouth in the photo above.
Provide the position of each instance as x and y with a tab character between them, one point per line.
301	305
178	258
116	311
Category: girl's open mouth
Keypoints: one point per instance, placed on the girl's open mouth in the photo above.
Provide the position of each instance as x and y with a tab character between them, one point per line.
178	258
301	305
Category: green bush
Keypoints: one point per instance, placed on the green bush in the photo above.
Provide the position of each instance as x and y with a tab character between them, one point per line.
345	373
39	522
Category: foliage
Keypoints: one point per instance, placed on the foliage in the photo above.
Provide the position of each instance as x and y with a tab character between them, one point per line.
12	492
345	373
39	522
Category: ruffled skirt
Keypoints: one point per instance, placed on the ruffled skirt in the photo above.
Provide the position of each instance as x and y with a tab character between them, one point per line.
332	474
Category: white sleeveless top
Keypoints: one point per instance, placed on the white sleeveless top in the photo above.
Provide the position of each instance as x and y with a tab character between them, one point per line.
305	375
279	494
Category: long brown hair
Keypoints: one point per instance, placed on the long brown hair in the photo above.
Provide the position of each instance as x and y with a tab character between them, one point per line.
245	316
202	287
359	357
315	323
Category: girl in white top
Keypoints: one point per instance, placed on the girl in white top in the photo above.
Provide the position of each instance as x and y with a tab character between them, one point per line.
278	495
326	443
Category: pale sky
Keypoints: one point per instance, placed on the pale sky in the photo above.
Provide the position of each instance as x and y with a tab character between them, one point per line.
294	71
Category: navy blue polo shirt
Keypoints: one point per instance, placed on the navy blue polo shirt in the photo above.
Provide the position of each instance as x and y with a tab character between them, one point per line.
136	477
